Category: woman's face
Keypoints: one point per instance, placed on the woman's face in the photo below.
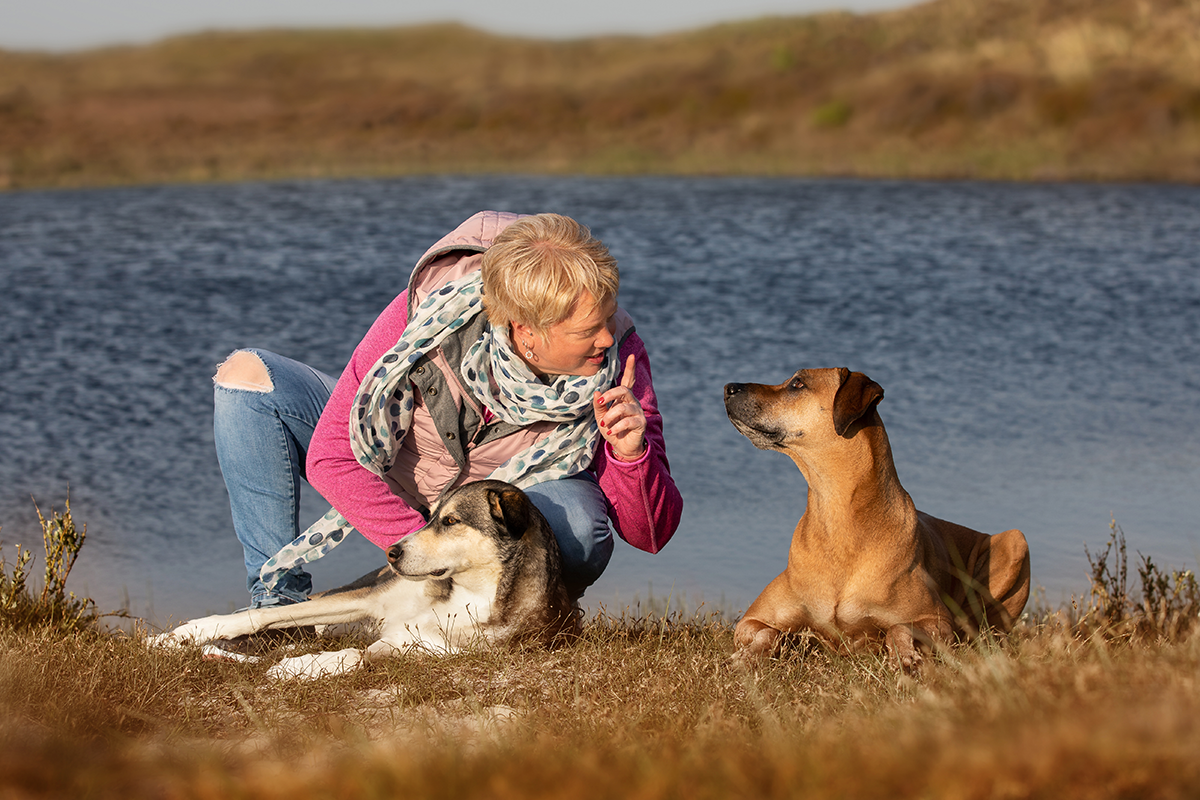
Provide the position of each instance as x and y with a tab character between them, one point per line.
575	346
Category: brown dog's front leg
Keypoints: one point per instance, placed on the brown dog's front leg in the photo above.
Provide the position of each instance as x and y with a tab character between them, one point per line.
759	633
904	641
902	648
756	638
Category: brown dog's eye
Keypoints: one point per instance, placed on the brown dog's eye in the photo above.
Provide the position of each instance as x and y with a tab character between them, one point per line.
796	384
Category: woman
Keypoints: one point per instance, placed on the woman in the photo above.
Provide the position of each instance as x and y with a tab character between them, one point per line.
506	357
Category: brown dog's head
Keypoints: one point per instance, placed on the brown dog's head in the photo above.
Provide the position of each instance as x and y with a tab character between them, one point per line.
812	401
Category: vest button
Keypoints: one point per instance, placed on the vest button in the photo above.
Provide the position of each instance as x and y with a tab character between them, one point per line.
432	391
419	370
450	436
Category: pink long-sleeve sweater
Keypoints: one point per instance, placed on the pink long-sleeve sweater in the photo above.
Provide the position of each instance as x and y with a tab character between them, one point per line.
643	501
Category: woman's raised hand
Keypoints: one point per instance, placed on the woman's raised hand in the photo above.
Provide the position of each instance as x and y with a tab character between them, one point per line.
621	419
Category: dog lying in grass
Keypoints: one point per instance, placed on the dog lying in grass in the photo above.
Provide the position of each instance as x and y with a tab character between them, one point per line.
485	569
864	563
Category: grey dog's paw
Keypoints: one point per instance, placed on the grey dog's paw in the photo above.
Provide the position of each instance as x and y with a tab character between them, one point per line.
188	633
202	631
316	665
217	651
165	640
199	631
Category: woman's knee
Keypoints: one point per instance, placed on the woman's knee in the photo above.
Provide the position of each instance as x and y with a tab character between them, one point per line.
244	369
592	559
578	515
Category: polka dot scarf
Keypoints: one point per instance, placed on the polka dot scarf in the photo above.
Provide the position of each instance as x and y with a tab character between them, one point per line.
495	376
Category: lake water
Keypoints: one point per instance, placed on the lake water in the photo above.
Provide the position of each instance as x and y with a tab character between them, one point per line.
1039	346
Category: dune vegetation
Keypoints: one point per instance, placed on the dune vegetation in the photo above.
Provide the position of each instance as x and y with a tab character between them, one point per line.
1099	699
996	89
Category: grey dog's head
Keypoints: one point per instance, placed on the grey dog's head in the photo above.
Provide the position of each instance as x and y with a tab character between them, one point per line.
476	525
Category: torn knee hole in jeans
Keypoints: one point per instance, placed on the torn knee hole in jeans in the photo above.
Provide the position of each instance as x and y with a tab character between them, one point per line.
244	370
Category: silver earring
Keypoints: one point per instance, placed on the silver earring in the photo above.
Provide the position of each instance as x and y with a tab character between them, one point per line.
528	350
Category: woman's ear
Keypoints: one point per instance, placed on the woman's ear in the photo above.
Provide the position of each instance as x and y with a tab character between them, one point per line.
526	337
522	332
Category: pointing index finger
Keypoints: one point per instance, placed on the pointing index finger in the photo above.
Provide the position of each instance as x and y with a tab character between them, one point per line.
628	378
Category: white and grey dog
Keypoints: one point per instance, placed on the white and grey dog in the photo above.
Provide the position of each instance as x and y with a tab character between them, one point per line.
485	569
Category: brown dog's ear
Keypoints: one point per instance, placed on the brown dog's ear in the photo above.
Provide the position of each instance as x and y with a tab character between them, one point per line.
510	507
855	397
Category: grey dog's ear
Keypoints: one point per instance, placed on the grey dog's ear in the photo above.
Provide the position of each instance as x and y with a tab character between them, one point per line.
511	507
855	397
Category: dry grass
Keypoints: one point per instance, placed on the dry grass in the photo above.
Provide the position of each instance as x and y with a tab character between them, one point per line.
1100	699
1012	89
639	708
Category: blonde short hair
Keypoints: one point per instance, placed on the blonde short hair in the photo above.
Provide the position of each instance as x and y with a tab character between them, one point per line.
539	266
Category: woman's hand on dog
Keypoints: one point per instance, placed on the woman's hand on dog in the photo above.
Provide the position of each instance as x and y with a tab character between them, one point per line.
621	419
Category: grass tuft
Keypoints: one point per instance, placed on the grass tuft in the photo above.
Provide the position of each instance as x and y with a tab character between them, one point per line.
1169	608
54	607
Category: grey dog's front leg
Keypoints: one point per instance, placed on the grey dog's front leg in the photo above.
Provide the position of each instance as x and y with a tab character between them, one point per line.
320	611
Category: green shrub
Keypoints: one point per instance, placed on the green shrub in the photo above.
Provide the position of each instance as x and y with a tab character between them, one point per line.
1169	605
834	114
54	607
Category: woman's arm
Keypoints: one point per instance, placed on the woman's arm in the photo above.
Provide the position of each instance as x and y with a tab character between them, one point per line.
361	496
644	503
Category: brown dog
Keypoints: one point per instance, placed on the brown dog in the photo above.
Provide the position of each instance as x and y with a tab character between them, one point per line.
864	564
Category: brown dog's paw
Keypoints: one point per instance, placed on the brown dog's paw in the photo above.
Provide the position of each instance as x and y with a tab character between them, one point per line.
745	659
910	663
903	649
756	640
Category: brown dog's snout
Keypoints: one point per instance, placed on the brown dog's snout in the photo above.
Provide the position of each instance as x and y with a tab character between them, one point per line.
739	399
735	395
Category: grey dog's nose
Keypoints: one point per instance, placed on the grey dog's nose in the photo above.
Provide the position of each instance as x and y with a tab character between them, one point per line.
734	388
395	552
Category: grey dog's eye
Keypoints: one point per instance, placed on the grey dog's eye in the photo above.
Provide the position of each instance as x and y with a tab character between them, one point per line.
449	519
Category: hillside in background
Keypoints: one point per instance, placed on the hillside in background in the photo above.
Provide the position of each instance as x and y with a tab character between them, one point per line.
1006	89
